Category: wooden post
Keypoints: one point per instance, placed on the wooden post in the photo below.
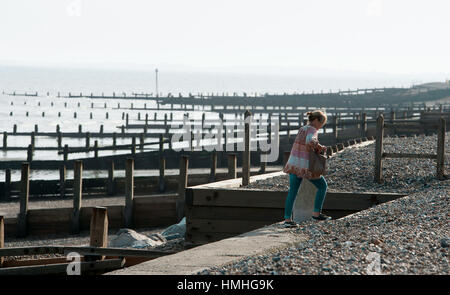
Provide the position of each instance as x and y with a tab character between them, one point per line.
66	152
114	139
363	125
212	175
5	140
129	193
246	155
59	139
88	139
335	128
440	160
77	196
30	153
141	141
7	183
96	149
24	196
133	145
358	121
162	165
263	163
2	237
99	229
33	140
62	181
182	184
232	162
379	150
110	188
15	129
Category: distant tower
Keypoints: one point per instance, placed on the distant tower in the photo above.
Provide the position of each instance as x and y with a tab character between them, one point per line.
157	93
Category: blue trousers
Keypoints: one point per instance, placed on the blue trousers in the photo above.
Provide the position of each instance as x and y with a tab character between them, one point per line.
294	185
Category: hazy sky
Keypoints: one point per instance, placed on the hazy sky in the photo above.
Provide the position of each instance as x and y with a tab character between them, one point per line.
395	36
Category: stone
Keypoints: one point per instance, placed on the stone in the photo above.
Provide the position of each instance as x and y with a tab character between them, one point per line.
348	244
175	229
445	242
128	238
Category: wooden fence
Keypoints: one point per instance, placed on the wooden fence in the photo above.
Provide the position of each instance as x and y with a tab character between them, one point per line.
429	121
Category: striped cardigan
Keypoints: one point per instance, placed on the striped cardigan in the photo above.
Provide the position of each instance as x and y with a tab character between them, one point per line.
298	162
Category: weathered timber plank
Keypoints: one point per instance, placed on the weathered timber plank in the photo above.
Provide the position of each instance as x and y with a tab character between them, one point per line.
49	220
235	213
239	198
276	199
115	217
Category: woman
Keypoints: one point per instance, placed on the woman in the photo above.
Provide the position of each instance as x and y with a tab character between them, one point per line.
298	164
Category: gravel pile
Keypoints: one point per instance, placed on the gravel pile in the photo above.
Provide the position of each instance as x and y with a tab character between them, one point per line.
407	236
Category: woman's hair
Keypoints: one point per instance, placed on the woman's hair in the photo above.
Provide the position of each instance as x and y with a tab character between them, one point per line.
317	114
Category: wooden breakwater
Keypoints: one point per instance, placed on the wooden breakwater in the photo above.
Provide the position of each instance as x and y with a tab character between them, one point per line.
356	97
287	121
143	211
163	158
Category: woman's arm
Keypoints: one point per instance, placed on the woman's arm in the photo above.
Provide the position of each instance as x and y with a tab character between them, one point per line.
312	140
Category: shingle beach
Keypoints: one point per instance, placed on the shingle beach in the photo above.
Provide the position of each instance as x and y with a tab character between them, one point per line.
407	236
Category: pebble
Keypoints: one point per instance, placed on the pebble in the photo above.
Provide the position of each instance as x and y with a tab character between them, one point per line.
445	242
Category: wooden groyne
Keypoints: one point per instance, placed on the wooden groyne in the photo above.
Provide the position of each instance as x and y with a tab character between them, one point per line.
356	97
162	158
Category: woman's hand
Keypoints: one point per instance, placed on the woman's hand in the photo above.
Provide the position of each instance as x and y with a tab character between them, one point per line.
322	148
